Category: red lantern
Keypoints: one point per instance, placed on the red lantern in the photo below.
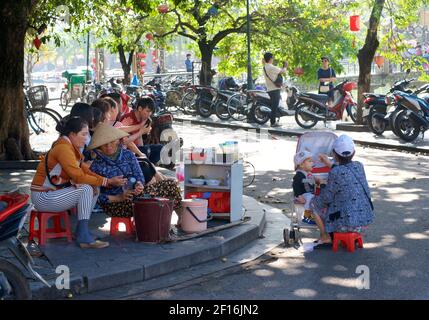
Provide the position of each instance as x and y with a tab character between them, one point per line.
154	53
142	63
149	36
141	55
142	71
298	71
354	23
154	60
163	8
379	61
37	43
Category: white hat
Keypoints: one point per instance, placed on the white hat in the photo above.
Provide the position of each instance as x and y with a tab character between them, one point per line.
301	156
344	146
105	133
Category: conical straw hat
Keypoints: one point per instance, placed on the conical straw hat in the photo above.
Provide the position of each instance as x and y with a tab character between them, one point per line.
105	133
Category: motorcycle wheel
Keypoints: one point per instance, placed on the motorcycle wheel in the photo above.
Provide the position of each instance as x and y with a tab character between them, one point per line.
376	122
17	280
303	120
221	110
407	129
203	109
259	116
352	111
392	121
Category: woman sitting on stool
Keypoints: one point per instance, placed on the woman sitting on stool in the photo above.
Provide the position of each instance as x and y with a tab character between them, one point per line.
112	159
63	181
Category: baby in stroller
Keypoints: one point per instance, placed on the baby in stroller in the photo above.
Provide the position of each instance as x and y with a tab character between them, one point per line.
303	183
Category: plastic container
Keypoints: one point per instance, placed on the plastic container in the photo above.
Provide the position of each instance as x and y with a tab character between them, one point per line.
194	215
152	217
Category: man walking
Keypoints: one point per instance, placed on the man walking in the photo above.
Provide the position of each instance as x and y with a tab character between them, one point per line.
188	63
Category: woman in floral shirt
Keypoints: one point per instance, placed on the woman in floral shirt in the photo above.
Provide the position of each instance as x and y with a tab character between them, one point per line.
113	160
345	203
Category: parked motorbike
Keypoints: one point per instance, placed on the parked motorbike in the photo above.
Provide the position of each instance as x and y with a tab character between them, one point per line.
13	282
204	101
375	107
261	106
222	97
393	108
413	119
313	108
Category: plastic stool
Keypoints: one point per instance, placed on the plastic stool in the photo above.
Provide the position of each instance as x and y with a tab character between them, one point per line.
114	225
348	240
43	233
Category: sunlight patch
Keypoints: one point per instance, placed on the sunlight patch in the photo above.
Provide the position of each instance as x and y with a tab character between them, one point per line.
416	236
305	293
346	282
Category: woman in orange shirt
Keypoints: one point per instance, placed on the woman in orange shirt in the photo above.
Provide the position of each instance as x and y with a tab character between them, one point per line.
63	181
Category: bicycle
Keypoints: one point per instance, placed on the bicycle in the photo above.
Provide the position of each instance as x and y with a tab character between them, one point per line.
240	104
41	121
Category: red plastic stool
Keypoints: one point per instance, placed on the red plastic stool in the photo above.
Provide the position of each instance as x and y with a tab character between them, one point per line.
348	240
114	225
43	233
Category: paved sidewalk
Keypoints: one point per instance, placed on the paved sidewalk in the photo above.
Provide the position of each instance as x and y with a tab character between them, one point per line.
127	261
290	128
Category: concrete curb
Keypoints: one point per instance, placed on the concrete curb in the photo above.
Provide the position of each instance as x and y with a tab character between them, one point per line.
291	133
19	165
139	269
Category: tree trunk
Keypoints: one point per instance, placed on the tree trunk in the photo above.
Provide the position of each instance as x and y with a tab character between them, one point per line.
126	65
366	54
206	64
14	133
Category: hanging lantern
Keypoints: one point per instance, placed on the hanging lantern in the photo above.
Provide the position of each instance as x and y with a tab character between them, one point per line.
141	55
142	63
379	61
154	60
163	8
354	23
149	36
298	71
154	53
37	43
142	71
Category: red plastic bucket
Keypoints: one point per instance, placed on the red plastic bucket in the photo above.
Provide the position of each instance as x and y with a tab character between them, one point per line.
152	218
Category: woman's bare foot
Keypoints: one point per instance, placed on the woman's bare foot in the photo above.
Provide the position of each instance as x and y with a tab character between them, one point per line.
325	238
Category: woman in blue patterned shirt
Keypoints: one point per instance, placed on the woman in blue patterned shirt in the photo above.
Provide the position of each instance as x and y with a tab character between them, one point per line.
345	203
113	160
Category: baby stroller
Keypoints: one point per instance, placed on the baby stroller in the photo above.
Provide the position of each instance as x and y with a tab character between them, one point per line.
316	143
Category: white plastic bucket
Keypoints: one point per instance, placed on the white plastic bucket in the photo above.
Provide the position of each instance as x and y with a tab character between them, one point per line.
194	215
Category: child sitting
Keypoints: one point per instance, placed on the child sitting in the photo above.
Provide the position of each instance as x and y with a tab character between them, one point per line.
303	183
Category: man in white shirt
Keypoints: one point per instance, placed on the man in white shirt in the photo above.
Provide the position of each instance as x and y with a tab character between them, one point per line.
270	73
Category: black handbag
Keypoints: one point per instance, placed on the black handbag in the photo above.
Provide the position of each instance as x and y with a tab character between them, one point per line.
279	80
62	185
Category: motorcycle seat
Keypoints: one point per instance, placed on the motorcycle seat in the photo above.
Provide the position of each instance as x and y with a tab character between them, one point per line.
373	95
319	97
